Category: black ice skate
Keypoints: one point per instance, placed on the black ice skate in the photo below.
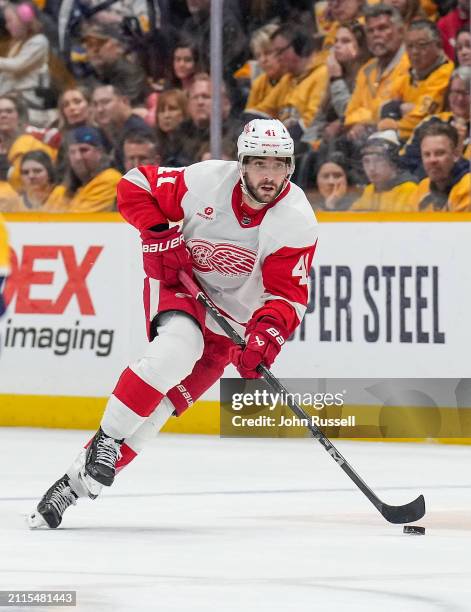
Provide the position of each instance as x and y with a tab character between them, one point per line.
53	504
101	458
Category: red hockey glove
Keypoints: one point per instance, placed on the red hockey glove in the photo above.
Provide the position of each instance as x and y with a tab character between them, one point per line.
165	254
264	339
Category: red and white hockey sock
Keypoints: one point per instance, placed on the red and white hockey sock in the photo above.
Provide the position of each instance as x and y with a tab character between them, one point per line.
132	401
146	432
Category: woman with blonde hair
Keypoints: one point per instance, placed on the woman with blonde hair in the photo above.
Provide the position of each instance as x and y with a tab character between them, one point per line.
74	107
25	69
171	111
268	65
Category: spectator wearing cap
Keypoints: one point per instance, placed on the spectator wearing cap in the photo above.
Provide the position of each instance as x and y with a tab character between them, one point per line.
385	39
90	181
296	97
456	113
451	23
447	186
389	189
267	63
25	68
106	50
16	138
114	115
421	92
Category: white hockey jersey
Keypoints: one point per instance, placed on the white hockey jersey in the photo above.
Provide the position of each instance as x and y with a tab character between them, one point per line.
250	262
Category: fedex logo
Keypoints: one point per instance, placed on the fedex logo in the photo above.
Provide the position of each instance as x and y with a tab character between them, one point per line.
28	273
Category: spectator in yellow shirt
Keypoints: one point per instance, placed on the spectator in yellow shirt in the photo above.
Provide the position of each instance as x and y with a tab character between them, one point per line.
421	92
90	182
447	186
14	141
38	183
456	113
337	12
267	61
374	83
297	96
390	189
345	59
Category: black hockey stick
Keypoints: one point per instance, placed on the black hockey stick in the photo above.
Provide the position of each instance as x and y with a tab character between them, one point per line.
408	513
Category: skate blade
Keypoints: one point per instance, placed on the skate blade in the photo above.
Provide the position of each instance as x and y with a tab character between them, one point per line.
35	520
92	486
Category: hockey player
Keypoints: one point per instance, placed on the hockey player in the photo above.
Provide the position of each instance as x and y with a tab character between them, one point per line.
248	237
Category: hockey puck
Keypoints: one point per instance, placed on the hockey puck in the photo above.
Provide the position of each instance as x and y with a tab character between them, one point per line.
414	530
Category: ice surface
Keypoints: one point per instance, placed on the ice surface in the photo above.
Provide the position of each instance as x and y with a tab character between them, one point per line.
199	523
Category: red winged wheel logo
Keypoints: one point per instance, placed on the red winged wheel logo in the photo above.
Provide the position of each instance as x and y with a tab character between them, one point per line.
226	259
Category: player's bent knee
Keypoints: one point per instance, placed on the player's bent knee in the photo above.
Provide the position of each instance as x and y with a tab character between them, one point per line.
171	356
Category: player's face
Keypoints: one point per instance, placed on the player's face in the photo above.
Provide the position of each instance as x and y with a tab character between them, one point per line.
438	157
265	177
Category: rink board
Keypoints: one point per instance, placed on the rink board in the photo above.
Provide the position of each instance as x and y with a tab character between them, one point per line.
388	299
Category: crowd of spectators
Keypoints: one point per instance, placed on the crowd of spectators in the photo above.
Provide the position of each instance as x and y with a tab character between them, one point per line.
376	96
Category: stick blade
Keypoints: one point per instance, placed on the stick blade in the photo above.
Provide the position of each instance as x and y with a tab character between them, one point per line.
408	513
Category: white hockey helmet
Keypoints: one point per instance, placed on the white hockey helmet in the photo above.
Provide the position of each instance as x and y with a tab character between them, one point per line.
265	138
